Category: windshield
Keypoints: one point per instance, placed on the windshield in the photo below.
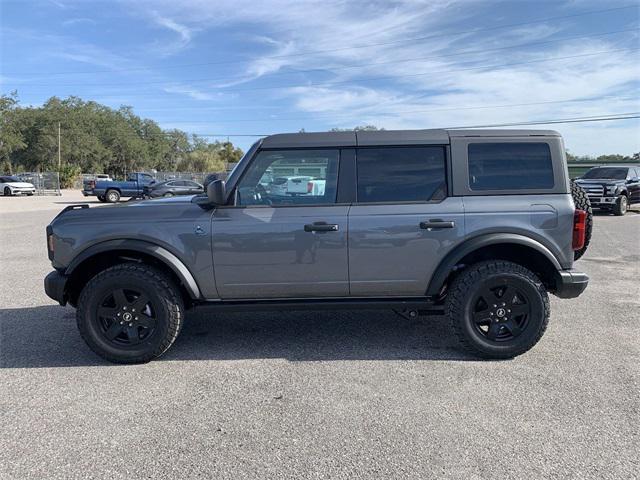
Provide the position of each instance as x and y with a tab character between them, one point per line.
613	173
11	179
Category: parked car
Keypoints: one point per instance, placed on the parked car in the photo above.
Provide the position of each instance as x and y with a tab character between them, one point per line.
476	225
89	184
172	187
112	191
10	185
612	187
298	185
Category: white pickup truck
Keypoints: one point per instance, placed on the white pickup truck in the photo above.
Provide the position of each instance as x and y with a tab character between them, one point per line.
300	185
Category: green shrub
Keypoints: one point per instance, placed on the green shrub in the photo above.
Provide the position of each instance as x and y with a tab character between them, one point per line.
68	175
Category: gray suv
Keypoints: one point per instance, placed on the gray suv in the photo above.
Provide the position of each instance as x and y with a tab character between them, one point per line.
478	225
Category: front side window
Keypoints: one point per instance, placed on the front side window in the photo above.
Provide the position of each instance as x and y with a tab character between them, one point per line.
290	177
401	174
510	166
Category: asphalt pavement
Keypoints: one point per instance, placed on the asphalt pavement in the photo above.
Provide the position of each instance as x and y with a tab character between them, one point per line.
318	394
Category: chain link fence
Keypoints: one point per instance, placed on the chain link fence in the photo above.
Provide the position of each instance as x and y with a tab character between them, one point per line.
46	183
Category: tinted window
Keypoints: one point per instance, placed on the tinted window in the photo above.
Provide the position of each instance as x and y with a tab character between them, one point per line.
613	173
510	166
290	177
401	174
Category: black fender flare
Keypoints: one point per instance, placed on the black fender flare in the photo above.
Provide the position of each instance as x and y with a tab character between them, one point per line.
458	253
160	253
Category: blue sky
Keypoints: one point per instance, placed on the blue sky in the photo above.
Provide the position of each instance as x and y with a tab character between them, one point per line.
248	67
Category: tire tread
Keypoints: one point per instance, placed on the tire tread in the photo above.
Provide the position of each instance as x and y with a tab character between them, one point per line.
160	282
454	305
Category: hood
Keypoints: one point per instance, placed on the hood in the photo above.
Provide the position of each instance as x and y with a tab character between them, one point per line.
138	212
599	181
19	184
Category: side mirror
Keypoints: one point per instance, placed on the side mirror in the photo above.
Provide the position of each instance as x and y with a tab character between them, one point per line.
633	180
216	192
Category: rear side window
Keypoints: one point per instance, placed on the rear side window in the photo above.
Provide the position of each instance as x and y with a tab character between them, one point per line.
510	166
401	174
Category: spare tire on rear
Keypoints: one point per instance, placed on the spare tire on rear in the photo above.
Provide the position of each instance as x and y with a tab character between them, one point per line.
581	201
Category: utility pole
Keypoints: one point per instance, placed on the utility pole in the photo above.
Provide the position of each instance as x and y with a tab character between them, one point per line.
59	156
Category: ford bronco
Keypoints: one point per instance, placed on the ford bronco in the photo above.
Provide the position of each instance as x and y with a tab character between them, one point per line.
478	225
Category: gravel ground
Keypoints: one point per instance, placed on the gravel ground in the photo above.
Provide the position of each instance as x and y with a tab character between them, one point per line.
320	395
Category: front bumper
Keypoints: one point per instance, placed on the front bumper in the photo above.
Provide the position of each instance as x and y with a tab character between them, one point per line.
607	201
23	191
54	287
570	283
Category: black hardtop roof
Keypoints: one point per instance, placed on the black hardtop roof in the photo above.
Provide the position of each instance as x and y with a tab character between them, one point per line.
388	137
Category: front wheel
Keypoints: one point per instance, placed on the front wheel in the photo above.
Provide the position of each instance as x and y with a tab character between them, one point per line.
622	204
7	192
130	313
498	309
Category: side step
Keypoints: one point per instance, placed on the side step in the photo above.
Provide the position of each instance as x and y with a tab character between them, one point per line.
423	305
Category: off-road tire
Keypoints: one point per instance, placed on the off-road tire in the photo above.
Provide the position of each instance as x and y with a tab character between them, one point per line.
621	206
459	309
163	295
581	201
112	196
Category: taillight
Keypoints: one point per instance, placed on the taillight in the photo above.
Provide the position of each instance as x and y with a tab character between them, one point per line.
50	244
579	229
309	187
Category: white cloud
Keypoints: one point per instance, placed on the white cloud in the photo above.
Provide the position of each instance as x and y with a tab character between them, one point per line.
320	35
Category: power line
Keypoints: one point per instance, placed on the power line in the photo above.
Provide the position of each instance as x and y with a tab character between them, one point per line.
342	67
600	118
401	112
606	118
314	52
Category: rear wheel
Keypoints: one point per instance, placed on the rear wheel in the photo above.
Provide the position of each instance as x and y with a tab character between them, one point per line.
622	204
130	313
581	201
498	309
112	196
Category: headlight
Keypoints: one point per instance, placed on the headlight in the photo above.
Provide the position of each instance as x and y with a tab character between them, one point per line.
612	190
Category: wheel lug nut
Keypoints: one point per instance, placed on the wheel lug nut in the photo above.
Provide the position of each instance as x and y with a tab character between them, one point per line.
121	323
136	318
124	308
131	324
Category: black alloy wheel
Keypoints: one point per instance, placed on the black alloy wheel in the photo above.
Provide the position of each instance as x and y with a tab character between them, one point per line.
500	312
7	192
126	317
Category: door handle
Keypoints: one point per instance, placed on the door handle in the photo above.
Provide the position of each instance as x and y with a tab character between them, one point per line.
435	224
320	227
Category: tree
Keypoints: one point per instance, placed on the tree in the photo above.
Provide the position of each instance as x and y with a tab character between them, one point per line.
99	139
359	128
11	138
